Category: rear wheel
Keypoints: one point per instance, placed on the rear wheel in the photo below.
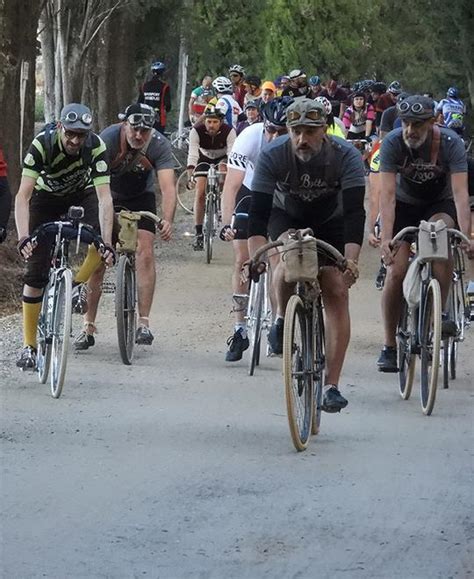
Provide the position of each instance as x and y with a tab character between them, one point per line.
297	371
430	343
254	322
406	357
62	321
319	365
43	359
126	308
185	196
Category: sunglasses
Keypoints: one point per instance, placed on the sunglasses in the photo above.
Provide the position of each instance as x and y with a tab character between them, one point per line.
70	135
72	117
416	108
273	129
234	74
146	119
313	115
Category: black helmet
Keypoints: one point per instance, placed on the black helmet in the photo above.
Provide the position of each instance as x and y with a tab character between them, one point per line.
213	112
274	111
379	87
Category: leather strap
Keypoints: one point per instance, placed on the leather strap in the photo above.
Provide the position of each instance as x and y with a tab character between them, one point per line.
435	143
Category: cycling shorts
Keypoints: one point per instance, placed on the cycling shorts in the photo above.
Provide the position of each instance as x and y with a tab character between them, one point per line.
144	202
204	162
331	232
242	205
43	209
407	215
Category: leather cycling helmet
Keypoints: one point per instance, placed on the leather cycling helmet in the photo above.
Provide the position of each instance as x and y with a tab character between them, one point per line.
274	112
453	92
326	104
222	85
212	112
395	87
158	66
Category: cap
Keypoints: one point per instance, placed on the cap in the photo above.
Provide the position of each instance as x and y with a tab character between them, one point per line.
306	112
296	73
268	85
139	115
251	105
416	107
76	116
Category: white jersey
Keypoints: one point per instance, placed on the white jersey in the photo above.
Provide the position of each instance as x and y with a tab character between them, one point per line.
245	151
231	109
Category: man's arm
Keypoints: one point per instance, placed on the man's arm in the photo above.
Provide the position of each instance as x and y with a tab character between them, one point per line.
166	182
387	212
167	97
106	212
22	206
463	210
193	153
233	181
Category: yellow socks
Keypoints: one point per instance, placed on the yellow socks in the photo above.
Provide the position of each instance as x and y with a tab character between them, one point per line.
31	311
89	265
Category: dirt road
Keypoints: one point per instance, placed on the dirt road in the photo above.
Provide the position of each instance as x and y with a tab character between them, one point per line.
182	466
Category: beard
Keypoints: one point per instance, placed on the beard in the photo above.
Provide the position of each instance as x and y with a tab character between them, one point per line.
414	143
307	153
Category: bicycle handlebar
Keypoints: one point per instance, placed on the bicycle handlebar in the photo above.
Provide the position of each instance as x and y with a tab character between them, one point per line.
414	229
69	231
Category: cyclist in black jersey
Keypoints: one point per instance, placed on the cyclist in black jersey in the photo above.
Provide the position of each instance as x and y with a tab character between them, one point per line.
157	94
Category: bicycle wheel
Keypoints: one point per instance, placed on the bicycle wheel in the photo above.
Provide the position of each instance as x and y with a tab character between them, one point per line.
125	308
208	225
62	320
444	353
406	357
254	322
297	371
43	359
319	365
430	342
184	195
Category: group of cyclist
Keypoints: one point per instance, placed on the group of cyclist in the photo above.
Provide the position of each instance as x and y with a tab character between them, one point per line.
285	147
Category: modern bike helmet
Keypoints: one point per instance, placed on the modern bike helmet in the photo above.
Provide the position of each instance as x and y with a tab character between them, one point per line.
222	85
379	87
453	92
314	80
237	68
253	80
395	87
158	66
274	111
297	73
326	104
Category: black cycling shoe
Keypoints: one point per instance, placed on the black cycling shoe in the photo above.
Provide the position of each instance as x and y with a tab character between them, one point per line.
275	337
333	400
143	336
84	341
198	244
380	279
27	359
448	327
387	361
237	345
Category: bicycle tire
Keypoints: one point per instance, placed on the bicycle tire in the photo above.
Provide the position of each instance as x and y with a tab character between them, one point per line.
208	226
297	359
430	342
43	360
62	322
125	308
319	366
406	357
184	195
445	361
254	322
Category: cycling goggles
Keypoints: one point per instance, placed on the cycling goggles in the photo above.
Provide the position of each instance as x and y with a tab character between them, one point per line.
72	117
145	120
316	117
415	110
273	129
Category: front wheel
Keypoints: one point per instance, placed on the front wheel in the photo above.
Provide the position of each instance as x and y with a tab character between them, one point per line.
43	359
298	371
125	308
184	195
319	366
430	343
208	226
254	321
62	321
406	357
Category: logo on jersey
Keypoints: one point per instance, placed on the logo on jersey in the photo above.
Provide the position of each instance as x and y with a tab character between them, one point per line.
101	166
29	160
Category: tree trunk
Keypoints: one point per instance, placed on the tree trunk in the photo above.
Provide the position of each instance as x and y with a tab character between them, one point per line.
48	45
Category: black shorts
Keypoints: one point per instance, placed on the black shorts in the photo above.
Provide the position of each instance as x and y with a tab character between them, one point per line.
242	205
144	202
44	208
331	232
407	215
204	162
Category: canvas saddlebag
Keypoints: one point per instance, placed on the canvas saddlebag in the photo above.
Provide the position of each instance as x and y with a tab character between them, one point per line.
433	240
300	260
128	232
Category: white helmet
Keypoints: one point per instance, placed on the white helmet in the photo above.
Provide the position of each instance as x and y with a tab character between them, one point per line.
222	85
237	68
326	104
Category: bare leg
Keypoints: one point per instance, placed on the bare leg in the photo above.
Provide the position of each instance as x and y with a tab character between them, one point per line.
241	255
199	200
146	274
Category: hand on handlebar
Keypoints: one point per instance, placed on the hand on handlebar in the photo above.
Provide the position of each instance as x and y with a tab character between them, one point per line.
107	253
191	183
351	273
373	240
227	233
252	270
388	251
468	248
26	246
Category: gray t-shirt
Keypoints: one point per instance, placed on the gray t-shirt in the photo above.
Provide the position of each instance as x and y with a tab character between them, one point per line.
310	189
418	181
132	179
